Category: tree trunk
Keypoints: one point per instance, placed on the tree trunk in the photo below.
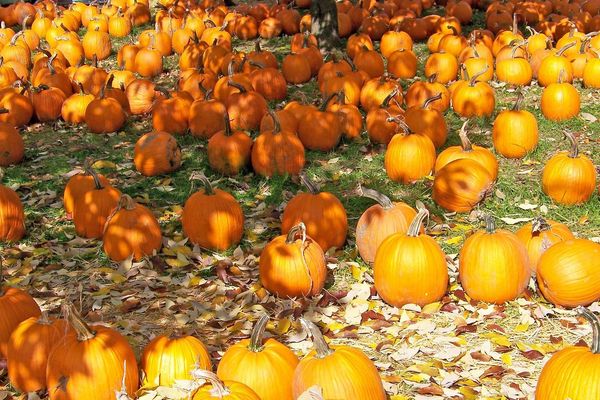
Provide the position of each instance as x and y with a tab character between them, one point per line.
325	24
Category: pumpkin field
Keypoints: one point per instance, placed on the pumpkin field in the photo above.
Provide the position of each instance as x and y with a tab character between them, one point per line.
296	200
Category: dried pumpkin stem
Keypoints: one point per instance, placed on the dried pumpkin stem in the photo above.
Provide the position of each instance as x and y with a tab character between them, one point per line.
310	185
97	183
475	76
208	189
539	224
321	346
227	124
276	121
236	85
295	230
404	126
584	44
327	100
565	48
126	203
380	198
595	321
43	319
84	332
465	143
258	331
218	387
490	224
389	97
574	148
515	29
1	259
415	226
531	30
430	100
4	110
518	101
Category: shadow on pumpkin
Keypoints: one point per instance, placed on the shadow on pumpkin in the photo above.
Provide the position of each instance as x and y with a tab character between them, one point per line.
134	234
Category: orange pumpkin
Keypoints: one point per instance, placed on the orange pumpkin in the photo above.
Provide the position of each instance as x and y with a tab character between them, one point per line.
539	235
228	150
409	157
214	388
156	153
515	131
12	217
12	148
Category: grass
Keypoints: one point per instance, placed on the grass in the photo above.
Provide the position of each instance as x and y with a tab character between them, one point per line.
52	151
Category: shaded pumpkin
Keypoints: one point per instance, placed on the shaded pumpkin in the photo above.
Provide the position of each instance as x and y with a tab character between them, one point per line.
427	120
229	150
171	113
12	215
207	117
156	153
319	129
98	109
12	147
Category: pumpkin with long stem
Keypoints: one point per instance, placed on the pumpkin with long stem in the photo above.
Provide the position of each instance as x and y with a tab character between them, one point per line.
569	177
28	349
380	221
351	119
264	365
515	131
343	372
214	388
376	90
246	108
410	267
90	362
556	67
496	279
427	120
277	151
156	153
568	273
473	98
468	150
381	121
541	234
322	213
420	91
131	231
556	379
229	150
167	359
409	157
212	218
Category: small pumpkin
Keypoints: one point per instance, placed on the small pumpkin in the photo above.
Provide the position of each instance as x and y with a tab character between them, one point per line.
474	98
541	234
47	102
320	129
156	153
12	148
560	101
207	117
381	122
96	44
217	389
98	109
73	108
246	108
515	131
427	120
229	150
171	112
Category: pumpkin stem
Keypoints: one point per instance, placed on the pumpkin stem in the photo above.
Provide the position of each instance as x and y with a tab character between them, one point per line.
97	183
227	124
531	30
4	110
478	74
1	258
219	390
518	101
323	107
50	66
295	230
310	185
415	226
574	148
208	189
490	224
276	121
258	331
257	46
593	319
432	78
515	29
403	125
389	97
126	202
465	143
341	95
236	85
321	346
539	224
566	47
584	44
84	332
430	100
43	319
380	198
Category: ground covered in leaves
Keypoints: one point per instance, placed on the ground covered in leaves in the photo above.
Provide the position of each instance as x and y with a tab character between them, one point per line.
455	348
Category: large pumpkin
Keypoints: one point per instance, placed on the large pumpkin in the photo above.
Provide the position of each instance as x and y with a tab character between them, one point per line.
569	177
322	213
212	218
493	265
28	349
264	365
168	359
92	362
343	372
572	372
541	234
293	265
131	231
568	273
410	267
380	221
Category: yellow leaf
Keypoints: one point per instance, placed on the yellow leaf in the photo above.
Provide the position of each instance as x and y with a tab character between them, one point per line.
498	339
177	262
583	220
468	393
399	397
523	347
432	308
117	278
104	164
335	326
283	325
522	328
506	359
417	378
454	240
357	272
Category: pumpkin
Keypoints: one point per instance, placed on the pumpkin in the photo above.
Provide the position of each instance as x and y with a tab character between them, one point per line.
171	113
12	216
539	235
228	150
96	44
494	265
296	69
20	109
474	98
156	153
269	82
92	210
556	68
409	157
28	349
380	221
467	150
351	119
515	131
569	177
322	213
148	61
461	184
343	372
591	73
246	108
73	108
126	57
320	129
515	70
12	148
212	218
375	91
560	101
207	117
79	184
420	91
410	267
167	359
567	273
556	380
98	109
381	122
402	64
47	102
277	151
87	355
293	265
119	25
427	120
217	389
264	365
369	61
395	40
443	65
131	231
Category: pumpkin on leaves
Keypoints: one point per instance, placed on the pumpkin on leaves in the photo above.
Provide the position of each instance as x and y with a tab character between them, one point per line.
212	218
322	213
131	231
541	234
156	153
167	359
569	177
229	150
556	381
336	370
214	388
264	365
293	265
87	355
494	265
